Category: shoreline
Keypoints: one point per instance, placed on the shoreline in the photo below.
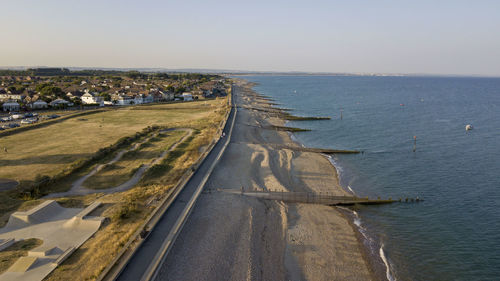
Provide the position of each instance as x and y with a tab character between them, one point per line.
379	269
370	259
235	237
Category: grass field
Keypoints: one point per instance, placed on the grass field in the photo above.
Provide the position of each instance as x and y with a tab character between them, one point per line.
122	170
45	151
48	150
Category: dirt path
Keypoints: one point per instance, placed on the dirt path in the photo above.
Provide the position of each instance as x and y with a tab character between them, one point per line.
77	187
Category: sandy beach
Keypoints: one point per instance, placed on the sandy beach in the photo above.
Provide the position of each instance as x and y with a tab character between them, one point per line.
234	237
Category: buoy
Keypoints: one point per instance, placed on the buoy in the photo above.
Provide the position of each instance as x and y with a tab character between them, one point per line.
468	127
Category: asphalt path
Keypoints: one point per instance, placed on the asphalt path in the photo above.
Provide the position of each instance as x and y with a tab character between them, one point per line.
146	253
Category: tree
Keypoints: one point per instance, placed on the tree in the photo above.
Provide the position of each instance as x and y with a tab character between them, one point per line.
105	96
12	89
52	91
180	90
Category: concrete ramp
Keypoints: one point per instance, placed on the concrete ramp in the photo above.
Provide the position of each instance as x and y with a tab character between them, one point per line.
88	210
41	213
5	243
44	251
62	231
23	264
64	256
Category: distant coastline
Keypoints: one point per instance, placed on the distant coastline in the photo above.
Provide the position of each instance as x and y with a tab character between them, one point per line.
237	72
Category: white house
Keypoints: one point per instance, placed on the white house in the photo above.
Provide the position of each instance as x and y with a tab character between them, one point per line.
139	99
91	98
168	95
39	104
16	97
10	106
124	100
187	96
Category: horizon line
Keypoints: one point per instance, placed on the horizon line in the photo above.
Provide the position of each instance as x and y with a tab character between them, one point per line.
250	72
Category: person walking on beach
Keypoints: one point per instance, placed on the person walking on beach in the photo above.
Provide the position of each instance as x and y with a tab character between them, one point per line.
5	149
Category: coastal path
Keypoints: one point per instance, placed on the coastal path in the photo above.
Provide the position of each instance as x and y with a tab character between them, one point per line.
145	260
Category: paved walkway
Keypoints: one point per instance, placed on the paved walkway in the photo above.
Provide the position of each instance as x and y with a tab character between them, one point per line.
62	231
8	184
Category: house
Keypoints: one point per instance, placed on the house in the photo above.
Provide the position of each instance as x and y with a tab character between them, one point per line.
75	95
138	99
124	100
16	97
187	96
208	94
91	98
59	103
39	104
168	95
10	106
148	99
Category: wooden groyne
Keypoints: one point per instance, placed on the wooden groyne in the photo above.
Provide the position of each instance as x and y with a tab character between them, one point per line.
317	150
283	114
288	129
323	198
291	117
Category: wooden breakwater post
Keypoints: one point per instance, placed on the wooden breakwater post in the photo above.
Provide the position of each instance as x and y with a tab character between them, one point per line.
378	201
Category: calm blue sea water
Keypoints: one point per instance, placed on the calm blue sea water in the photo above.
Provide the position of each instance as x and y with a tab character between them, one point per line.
455	233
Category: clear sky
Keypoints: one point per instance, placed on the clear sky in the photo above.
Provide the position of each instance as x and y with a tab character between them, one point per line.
399	36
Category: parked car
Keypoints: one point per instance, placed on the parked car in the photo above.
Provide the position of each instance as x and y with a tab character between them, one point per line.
6	119
14	125
17	116
28	121
53	116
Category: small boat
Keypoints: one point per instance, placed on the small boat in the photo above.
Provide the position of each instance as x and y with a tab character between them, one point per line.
468	127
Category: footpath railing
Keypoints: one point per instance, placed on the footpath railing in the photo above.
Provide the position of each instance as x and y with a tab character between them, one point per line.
116	266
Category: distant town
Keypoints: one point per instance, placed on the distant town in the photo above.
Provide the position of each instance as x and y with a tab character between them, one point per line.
45	89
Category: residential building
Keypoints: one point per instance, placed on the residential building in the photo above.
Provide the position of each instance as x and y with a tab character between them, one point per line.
187	96
59	103
39	104
10	106
91	98
124	100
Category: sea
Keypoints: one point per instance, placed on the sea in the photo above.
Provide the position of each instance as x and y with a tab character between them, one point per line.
412	133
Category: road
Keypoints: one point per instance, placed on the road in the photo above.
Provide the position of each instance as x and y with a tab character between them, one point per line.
145	255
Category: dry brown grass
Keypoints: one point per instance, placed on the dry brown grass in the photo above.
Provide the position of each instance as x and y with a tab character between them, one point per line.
122	170
47	150
127	210
15	251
